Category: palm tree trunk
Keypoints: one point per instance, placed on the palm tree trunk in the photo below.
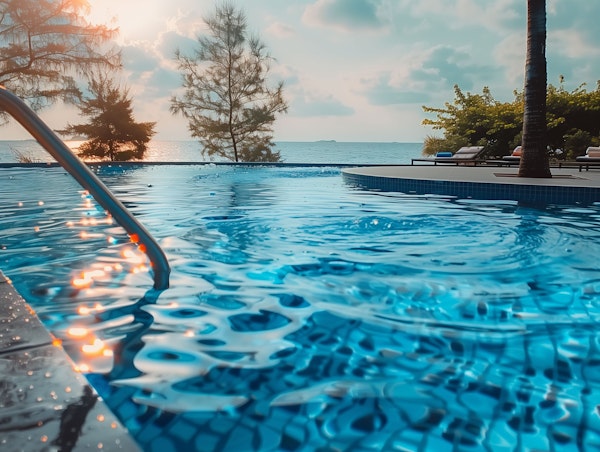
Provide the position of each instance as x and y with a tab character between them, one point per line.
534	158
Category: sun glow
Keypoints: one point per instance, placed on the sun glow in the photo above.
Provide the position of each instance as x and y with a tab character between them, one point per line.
135	20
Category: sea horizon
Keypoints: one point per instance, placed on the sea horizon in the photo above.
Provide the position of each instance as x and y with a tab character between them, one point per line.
275	141
319	151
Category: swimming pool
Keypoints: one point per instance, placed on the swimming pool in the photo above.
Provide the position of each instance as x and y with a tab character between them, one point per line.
305	314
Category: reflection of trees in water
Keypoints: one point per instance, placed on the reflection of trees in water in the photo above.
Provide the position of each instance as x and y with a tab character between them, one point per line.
227	215
543	249
529	235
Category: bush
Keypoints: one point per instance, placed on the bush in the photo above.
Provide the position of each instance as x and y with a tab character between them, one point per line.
576	142
432	145
573	121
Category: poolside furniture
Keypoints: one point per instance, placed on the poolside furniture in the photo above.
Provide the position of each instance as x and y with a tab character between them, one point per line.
592	154
591	159
515	156
508	160
468	155
501	162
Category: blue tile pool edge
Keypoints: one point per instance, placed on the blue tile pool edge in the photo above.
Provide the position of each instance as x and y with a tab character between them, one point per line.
476	190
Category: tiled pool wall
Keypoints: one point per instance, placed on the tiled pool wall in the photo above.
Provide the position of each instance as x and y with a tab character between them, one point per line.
477	190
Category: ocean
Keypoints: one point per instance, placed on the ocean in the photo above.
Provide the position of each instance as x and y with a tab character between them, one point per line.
291	152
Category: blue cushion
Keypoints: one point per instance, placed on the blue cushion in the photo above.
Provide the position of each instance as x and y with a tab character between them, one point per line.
444	154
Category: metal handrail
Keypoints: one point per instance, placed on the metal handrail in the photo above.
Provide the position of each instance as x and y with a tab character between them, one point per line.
87	179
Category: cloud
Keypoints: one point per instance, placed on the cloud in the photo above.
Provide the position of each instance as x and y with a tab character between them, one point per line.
151	75
573	32
308	106
572	47
138	58
280	30
451	66
509	55
286	73
151	66
573	44
426	77
164	80
564	14
344	15
491	15
171	41
148	56
382	91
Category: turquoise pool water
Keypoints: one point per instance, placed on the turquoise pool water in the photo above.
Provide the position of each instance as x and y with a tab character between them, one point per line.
305	314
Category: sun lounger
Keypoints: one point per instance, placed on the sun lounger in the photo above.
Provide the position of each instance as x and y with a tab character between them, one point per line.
515	156
465	155
592	154
591	159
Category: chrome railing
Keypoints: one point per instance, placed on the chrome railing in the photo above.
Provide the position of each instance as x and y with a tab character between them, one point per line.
88	180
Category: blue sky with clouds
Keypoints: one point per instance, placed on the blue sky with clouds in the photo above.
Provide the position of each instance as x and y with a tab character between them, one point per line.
356	70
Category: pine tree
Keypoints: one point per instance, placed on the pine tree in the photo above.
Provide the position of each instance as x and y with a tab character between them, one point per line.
226	100
112	131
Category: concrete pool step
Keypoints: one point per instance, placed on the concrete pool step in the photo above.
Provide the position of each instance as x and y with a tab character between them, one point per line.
45	405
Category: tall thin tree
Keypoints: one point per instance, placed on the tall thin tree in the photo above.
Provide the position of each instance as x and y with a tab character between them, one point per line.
226	99
534	158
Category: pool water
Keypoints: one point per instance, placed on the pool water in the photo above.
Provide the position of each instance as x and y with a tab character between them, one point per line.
305	314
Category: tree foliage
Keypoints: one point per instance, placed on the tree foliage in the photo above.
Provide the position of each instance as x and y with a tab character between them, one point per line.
477	120
572	121
573	118
226	100
112	131
46	44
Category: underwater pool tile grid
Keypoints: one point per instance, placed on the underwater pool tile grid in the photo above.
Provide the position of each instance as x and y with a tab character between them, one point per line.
44	404
567	186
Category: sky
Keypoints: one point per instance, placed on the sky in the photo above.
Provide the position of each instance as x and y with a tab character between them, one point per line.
353	70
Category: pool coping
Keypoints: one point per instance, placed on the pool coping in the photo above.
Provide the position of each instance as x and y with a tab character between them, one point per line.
45	402
568	186
188	163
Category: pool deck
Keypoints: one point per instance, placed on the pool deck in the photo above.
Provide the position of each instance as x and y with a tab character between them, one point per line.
484	182
44	403
494	174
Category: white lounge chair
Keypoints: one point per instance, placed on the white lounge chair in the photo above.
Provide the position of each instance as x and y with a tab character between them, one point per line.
465	155
592	154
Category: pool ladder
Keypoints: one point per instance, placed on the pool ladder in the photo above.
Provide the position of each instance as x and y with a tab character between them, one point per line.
88	180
